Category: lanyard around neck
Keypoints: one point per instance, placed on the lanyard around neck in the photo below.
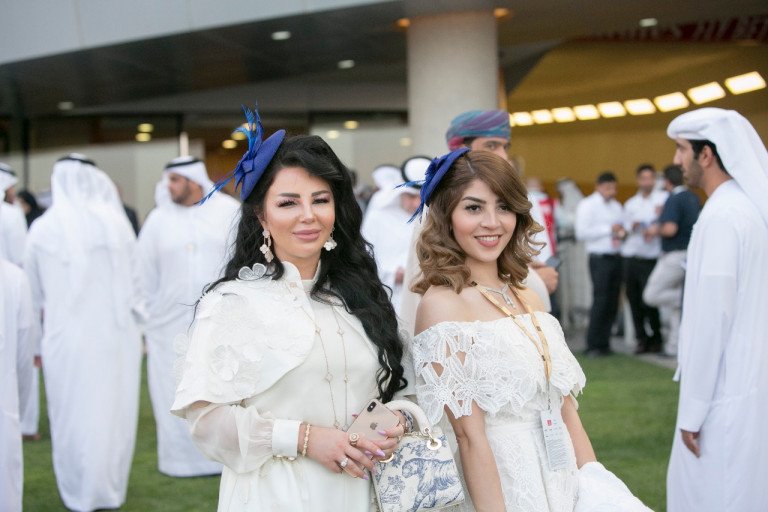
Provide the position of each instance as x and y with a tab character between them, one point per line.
542	346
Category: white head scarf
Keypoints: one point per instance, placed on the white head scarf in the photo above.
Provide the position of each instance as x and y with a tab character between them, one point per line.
192	169
162	194
738	144
89	214
7	179
386	177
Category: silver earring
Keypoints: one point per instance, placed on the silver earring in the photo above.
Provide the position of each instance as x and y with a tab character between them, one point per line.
266	247
330	244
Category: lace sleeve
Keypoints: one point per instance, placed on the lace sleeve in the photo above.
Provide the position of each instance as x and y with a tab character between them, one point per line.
451	372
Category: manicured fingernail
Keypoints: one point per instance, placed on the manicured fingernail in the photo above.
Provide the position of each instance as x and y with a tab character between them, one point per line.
382	432
354	415
365	475
369	454
379	453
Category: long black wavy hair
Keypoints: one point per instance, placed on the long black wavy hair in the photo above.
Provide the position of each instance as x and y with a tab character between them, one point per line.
349	269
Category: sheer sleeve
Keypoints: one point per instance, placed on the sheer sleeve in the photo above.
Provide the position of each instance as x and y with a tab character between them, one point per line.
239	437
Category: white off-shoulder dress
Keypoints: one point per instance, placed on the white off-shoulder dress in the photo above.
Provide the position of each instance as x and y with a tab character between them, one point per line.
502	372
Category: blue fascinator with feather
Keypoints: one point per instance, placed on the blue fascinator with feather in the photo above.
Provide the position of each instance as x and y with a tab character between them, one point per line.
435	173
256	158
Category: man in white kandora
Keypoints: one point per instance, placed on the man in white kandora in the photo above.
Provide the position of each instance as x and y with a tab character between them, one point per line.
13	225
79	260
719	458
17	338
387	228
182	248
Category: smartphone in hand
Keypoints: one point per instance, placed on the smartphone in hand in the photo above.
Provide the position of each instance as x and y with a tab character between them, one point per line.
374	417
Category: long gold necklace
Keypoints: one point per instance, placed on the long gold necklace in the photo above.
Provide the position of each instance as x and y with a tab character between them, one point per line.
328	375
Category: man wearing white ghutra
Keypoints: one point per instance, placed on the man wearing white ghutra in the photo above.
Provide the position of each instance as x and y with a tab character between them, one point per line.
719	457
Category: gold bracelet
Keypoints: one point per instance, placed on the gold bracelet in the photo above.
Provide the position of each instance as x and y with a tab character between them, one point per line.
306	440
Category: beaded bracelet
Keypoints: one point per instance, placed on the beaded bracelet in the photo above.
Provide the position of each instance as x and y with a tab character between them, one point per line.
306	440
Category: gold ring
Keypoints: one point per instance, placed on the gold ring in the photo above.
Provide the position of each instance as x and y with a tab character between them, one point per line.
344	462
354	437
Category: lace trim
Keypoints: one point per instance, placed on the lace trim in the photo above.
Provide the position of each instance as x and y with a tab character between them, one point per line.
492	364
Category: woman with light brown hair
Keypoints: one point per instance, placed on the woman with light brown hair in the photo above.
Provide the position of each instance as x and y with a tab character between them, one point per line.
485	353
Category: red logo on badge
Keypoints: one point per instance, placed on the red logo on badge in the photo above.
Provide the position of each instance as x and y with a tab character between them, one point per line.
549	423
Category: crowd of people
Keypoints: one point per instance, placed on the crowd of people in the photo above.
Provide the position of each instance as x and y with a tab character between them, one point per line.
271	322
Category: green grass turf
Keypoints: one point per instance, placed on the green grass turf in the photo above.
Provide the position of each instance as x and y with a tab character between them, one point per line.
148	489
628	410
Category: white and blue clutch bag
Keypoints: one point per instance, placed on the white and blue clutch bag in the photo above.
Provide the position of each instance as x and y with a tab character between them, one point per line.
421	474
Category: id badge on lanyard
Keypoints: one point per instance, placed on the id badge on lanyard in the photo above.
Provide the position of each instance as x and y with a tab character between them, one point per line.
555	440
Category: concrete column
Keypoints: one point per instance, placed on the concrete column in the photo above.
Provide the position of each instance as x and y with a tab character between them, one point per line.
453	66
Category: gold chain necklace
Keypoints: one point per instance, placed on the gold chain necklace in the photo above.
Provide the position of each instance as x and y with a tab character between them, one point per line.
328	375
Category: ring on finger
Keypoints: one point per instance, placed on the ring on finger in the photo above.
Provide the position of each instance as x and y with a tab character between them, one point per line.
343	463
354	437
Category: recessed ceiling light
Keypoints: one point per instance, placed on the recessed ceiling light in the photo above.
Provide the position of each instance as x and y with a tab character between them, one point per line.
586	112
346	64
146	127
522	119
648	22
706	93
745	83
542	116
405	141
332	134
640	106
500	12
239	136
229	144
672	101
66	105
281	35
403	23
351	125
563	114
611	109
143	137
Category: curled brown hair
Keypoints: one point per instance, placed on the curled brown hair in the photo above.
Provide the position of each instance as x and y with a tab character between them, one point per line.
440	257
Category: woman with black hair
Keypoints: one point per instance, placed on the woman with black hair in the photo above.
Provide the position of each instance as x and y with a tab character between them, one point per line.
297	336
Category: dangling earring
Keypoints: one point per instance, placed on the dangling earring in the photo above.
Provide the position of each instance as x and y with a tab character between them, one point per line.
266	247
330	244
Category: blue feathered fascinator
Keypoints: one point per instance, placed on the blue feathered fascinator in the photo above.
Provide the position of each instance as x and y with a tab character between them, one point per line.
255	160
435	173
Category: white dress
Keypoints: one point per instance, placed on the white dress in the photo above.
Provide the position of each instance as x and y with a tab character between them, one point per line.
503	374
254	354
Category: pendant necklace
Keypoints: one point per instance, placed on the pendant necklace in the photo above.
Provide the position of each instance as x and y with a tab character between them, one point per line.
328	375
503	292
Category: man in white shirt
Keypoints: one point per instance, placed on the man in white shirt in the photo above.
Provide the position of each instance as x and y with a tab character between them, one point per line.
80	262
13	225
599	223
182	247
18	336
640	251
719	460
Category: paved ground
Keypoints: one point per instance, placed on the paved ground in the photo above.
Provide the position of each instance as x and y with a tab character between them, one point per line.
575	339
